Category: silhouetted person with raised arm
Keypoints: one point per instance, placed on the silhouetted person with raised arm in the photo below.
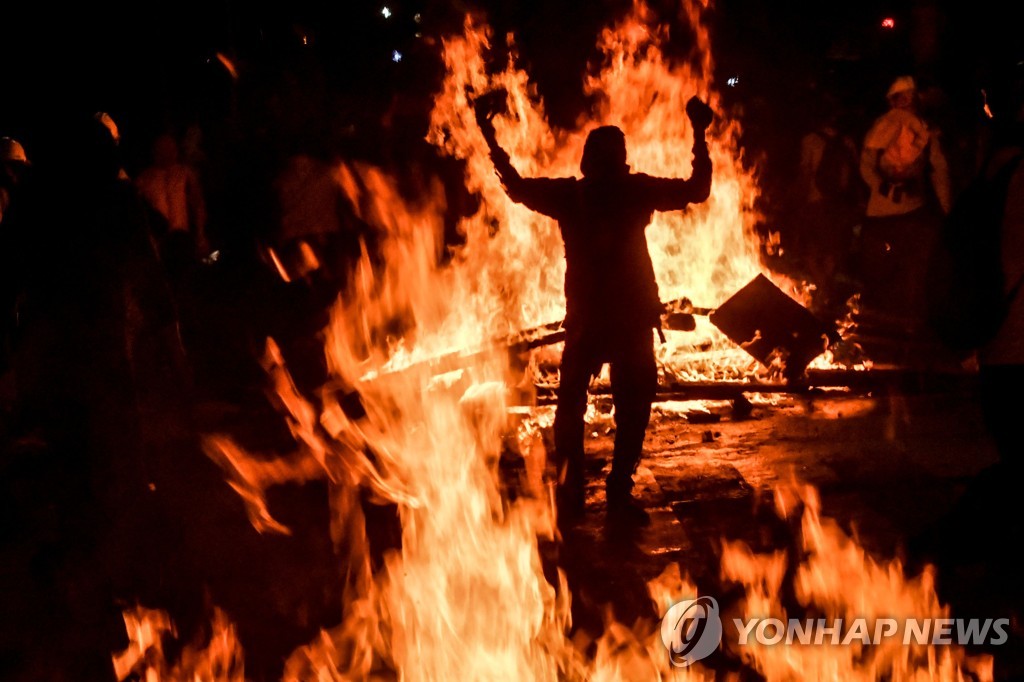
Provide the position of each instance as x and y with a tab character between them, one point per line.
612	301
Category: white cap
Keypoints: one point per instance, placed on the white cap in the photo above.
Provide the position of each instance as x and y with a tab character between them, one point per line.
12	151
901	84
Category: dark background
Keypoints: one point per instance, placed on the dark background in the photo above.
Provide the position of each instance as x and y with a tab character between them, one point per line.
152	65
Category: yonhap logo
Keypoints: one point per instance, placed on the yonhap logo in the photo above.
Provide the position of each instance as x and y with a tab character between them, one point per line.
691	630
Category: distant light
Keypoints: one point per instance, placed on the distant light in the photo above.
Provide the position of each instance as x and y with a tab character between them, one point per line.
985	107
417	17
888	22
396	56
733	81
386	12
305	40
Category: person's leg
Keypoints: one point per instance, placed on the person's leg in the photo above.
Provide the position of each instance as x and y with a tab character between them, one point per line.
915	239
984	525
574	379
634	377
998	383
877	264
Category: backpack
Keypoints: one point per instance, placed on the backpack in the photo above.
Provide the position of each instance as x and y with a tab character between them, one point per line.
903	157
969	302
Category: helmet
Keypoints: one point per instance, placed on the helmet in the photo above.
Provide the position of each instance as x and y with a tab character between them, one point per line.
901	84
11	151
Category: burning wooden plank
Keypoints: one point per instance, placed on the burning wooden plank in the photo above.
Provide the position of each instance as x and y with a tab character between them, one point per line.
678	317
773	328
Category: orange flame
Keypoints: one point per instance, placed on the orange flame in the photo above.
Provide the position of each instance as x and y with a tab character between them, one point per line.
838	579
221	658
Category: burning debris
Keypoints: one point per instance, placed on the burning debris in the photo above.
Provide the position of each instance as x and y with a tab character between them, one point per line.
773	328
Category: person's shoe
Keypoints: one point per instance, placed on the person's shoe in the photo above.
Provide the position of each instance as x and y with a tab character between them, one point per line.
623	509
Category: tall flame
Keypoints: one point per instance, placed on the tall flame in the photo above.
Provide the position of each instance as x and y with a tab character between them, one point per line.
466	597
705	254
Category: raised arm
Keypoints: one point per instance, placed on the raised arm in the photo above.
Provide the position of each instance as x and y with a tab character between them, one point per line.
670	194
544	195
484	108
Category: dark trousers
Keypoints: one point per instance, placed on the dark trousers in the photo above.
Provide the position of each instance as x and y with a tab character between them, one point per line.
1001	404
634	377
992	499
986	524
893	261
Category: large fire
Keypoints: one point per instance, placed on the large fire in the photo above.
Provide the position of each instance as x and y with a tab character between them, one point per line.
465	596
704	254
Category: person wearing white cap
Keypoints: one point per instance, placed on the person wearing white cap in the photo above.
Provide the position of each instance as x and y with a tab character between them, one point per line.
905	169
107	121
14	165
11	151
899	151
13	162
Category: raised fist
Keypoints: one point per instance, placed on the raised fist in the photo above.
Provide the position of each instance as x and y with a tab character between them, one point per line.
700	113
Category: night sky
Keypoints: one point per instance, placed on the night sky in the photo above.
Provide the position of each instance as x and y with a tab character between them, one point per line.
153	64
